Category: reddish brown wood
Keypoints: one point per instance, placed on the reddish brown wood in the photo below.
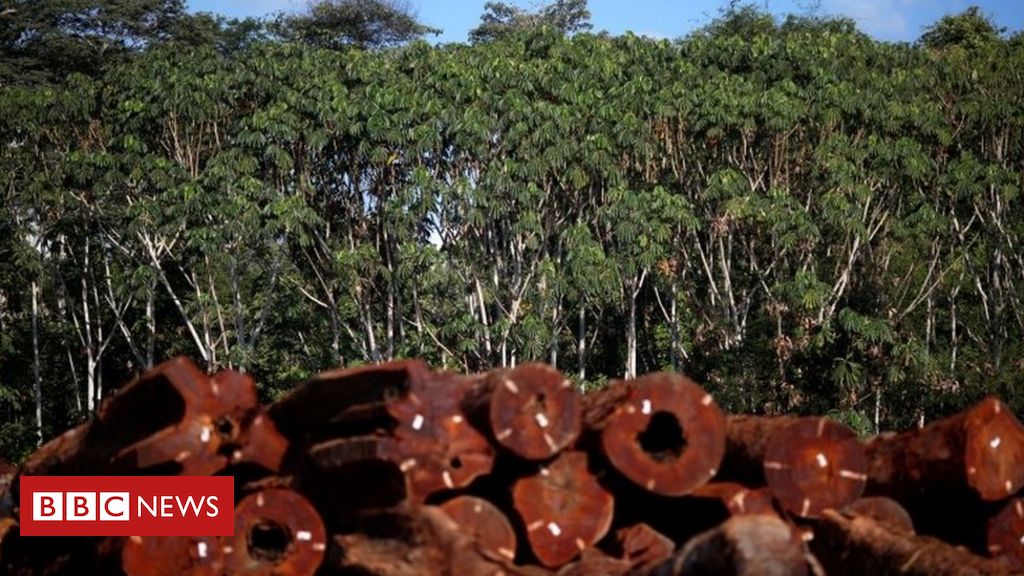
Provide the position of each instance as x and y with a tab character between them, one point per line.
482	521
532	410
981	449
885	511
853	546
345	401
753	545
433	443
662	431
737	498
1006	534
277	532
746	442
422	540
563	508
172	556
814	464
173	419
643	547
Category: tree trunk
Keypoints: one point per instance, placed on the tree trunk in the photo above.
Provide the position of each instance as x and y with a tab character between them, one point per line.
631	337
35	364
581	343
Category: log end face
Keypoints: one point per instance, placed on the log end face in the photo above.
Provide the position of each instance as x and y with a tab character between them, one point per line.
482	521
668	436
995	450
815	464
564	509
535	411
276	531
1005	535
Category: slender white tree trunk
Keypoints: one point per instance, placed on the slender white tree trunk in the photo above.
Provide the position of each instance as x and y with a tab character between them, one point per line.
35	364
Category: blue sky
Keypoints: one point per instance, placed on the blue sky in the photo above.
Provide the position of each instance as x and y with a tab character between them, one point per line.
896	20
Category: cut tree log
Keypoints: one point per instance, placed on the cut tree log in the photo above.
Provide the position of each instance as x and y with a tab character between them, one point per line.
746	441
482	521
433	443
738	499
344	402
1006	534
853	546
172	556
642	547
277	532
430	442
421	540
981	448
814	464
753	545
532	410
885	511
564	509
661	431
199	426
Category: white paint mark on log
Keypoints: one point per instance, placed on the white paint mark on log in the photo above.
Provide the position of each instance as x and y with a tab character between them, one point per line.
511	386
555	529
645	406
304	535
417	422
851	475
542	419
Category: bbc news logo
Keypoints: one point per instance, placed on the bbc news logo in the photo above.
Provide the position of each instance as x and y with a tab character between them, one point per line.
127	505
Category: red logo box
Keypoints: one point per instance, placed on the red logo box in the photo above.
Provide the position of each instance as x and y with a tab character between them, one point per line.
127	506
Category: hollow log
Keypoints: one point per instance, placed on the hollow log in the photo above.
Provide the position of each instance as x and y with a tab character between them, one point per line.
885	511
661	431
754	545
564	509
277	531
858	545
482	521
531	410
172	556
1005	534
814	464
981	449
173	420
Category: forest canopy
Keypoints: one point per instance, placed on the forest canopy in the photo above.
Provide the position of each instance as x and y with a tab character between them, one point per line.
801	217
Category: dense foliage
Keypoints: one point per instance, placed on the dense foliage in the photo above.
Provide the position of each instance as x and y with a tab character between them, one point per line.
803	218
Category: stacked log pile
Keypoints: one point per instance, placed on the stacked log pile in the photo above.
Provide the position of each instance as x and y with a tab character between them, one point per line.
396	470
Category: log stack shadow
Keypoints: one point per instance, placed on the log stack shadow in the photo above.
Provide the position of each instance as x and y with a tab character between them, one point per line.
395	469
